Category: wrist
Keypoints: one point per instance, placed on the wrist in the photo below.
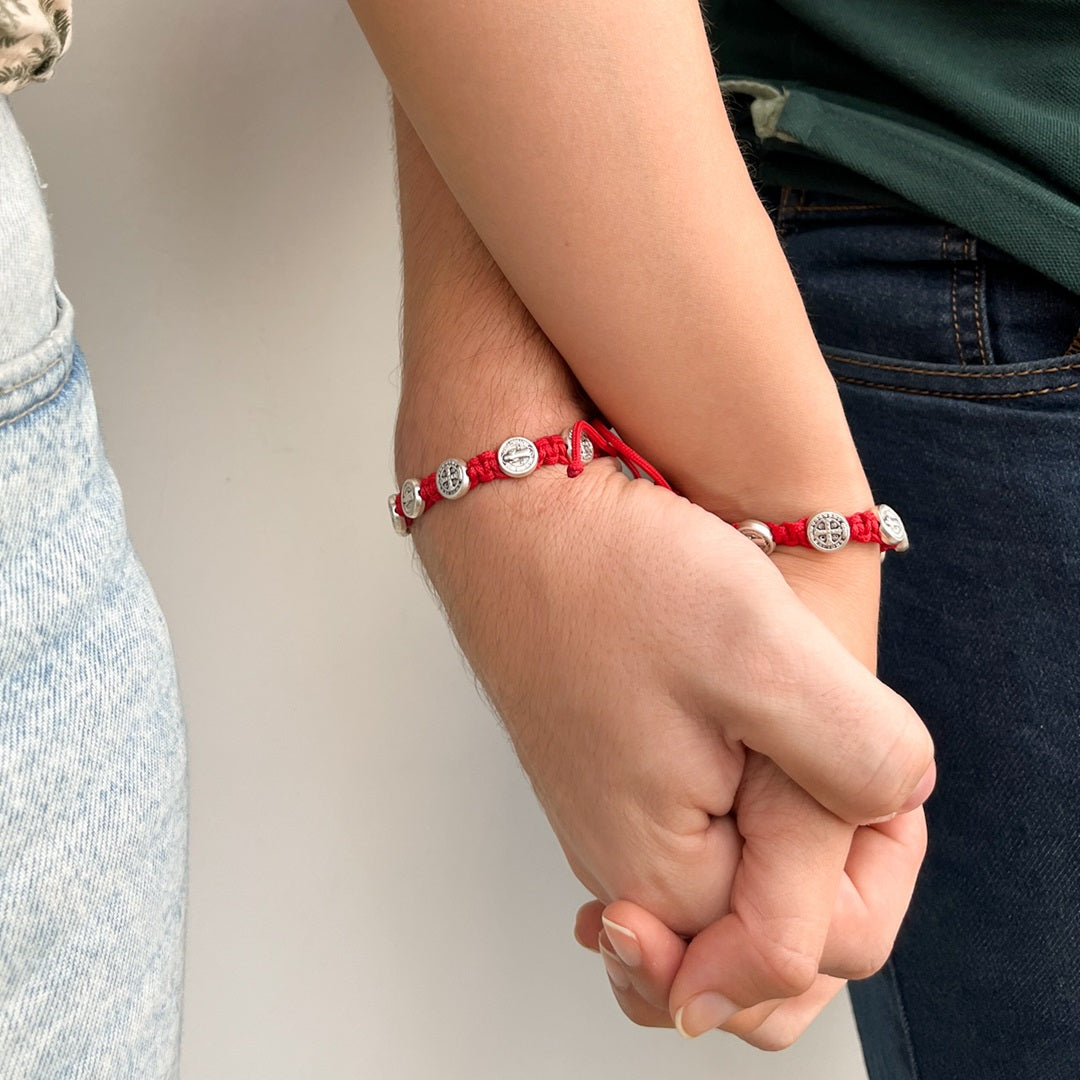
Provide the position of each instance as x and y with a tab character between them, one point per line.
826	530
423	439
473	403
786	489
511	519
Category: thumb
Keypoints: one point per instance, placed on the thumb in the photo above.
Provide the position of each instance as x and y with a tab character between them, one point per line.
836	729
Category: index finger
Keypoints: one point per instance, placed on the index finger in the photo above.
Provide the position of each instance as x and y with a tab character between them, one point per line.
769	947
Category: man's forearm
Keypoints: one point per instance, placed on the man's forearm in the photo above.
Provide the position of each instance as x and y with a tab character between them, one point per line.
476	367
589	146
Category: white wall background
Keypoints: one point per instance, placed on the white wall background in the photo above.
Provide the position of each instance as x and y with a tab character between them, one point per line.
374	892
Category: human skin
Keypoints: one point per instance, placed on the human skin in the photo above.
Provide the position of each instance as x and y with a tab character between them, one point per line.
587	144
512	569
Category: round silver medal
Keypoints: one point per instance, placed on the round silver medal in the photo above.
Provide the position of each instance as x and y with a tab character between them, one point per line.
760	533
892	527
411	503
828	531
518	456
452	478
588	451
399	523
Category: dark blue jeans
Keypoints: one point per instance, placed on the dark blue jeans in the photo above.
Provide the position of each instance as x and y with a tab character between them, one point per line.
959	370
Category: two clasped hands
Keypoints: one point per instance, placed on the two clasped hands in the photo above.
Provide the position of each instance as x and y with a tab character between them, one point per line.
701	722
781	747
701	727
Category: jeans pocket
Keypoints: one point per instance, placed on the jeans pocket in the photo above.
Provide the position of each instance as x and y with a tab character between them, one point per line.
37	376
896	283
1046	383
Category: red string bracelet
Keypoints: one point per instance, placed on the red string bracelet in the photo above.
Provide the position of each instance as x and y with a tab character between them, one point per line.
829	531
518	456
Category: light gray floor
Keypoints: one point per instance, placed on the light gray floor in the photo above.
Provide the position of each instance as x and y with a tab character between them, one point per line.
373	890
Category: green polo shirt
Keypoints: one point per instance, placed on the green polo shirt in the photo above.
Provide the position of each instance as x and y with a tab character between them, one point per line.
968	110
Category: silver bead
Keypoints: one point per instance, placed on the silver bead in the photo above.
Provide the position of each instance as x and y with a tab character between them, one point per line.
828	531
401	527
518	456
588	451
411	503
452	478
893	531
760	533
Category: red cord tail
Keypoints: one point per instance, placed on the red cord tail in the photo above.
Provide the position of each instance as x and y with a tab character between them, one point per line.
605	440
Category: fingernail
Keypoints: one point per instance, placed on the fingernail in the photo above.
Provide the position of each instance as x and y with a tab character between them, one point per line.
615	971
922	789
703	1013
624	942
880	820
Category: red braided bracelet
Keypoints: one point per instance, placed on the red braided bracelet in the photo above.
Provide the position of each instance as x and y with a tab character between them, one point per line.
518	456
829	531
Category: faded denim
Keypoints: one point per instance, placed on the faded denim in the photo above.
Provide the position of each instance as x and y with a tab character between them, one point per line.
93	792
959	371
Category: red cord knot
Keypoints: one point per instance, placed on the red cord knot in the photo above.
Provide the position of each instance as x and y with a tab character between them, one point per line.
577	454
604	438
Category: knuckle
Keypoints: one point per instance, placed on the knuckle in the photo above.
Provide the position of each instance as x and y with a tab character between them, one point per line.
640	1012
787	971
865	958
779	1030
667	882
773	1037
862	967
899	769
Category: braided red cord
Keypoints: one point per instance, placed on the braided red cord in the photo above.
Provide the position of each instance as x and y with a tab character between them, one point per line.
484	467
865	527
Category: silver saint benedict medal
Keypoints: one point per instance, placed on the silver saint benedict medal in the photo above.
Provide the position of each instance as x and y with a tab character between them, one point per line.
518	456
828	531
760	533
588	451
401	526
452	478
411	503
892	527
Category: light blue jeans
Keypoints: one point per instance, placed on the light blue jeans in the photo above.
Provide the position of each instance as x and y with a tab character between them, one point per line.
93	785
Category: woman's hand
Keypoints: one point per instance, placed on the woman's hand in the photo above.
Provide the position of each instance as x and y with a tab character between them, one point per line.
653	972
655	975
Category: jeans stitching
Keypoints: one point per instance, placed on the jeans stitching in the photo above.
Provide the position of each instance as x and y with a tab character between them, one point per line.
955	374
1074	345
945	393
955	317
978	302
33	378
37	404
955	320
